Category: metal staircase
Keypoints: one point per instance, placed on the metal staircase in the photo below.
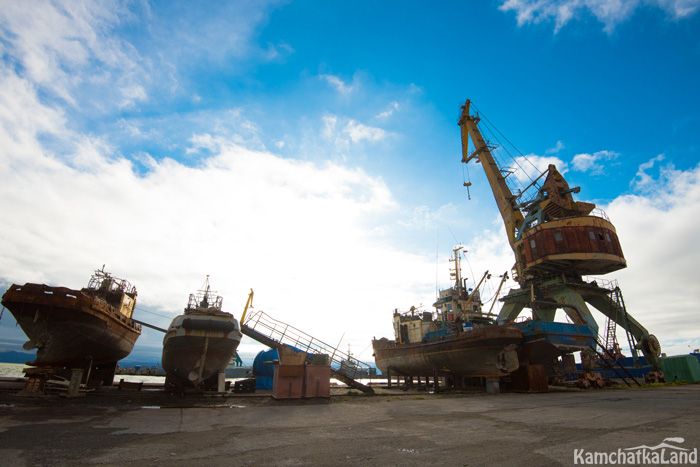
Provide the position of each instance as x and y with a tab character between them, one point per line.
609	360
616	297
617	315
611	334
276	334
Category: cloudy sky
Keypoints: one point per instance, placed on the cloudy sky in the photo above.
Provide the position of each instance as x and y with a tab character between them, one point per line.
309	150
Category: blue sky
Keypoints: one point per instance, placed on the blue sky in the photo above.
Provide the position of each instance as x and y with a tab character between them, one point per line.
310	150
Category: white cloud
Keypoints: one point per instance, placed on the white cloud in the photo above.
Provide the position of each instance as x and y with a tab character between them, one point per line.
658	228
679	8
279	51
393	107
289	229
338	84
642	180
609	12
555	149
527	168
132	94
358	132
63	47
221	125
342	132
329	122
423	217
592	162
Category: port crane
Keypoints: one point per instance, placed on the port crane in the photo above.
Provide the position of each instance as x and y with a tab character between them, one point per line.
556	242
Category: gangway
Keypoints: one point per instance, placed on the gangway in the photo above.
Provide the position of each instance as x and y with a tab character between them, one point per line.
276	334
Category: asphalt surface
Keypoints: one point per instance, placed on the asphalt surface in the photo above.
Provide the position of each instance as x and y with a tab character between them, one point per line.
390	429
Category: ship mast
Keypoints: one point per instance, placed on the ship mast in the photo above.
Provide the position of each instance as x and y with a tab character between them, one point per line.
456	273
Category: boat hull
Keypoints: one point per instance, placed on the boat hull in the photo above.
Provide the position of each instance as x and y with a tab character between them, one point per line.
485	352
198	352
238	372
69	327
544	341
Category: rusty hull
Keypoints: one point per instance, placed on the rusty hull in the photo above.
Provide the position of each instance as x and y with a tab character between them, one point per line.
194	354
485	352
544	341
182	356
70	327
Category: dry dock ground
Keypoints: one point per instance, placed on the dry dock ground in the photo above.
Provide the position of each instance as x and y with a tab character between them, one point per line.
402	429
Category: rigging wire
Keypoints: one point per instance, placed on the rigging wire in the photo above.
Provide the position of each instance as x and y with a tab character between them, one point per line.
504	137
515	183
494	293
453	236
504	148
152	312
468	178
494	132
467	181
437	256
365	350
471	271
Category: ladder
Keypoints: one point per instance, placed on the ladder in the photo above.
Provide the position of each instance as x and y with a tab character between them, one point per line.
611	334
621	312
276	334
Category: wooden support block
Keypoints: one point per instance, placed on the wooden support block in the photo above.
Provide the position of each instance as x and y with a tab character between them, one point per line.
128	385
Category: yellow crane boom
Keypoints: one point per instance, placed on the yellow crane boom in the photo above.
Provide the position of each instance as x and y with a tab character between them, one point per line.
505	199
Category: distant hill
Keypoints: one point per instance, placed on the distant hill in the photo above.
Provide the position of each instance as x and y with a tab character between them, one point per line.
23	357
16	357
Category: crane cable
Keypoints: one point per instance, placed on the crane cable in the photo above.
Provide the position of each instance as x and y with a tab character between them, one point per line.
504	136
467	181
488	126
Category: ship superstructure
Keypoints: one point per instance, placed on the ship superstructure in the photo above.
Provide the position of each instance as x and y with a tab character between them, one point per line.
458	339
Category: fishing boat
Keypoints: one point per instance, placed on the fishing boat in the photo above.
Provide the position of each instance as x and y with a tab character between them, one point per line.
236	370
458	339
91	328
199	343
352	368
